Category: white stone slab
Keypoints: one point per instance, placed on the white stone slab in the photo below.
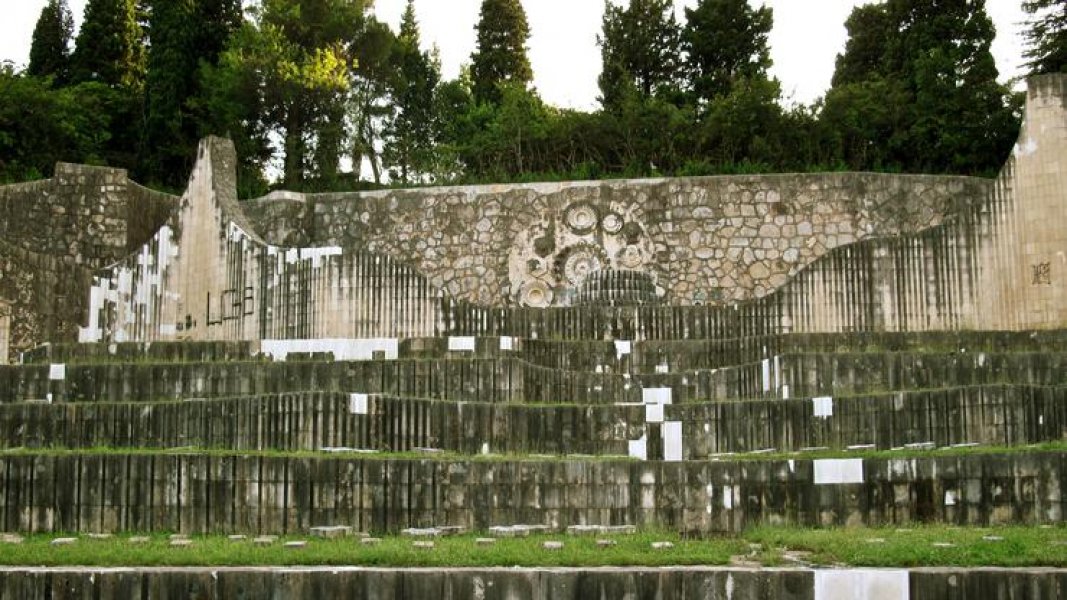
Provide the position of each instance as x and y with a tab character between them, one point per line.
663	369
766	375
838	471
57	372
622	348
342	349
653	413
639	449
507	343
461	344
358	404
672	441
861	584
656	395
728	497
823	407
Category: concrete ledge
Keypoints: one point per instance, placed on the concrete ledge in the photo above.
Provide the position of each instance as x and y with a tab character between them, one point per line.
522	583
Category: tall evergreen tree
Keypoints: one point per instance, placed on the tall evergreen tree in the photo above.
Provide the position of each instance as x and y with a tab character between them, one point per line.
1046	36
109	48
725	41
50	50
500	56
934	59
641	50
411	134
182	35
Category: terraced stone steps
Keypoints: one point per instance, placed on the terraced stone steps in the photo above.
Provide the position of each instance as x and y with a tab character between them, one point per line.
995	415
207	492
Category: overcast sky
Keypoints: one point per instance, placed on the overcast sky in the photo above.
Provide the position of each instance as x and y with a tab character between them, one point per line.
807	35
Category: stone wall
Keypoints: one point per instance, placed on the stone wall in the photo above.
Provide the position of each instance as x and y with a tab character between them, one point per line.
55	233
679	583
1001	415
703	240
197	493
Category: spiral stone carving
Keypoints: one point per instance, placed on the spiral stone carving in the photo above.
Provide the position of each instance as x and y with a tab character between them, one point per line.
582	218
577	262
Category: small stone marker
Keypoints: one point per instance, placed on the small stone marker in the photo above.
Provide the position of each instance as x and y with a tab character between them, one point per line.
601	530
875	540
296	545
181	543
98	536
67	541
552	546
484	542
602	544
944	545
237	538
423	545
992	538
662	545
430	532
331	532
140	539
178	536
11	538
265	540
370	541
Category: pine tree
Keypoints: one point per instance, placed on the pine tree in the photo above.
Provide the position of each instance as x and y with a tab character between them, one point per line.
50	51
411	134
1046	36
641	50
501	53
109	48
725	41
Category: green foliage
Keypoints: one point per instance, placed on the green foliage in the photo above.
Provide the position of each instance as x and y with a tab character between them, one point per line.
109	48
725	41
641	51
288	71
40	125
500	57
933	63
182	35
50	50
411	134
1046	36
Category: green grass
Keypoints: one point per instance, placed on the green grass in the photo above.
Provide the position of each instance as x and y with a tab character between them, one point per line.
456	551
915	547
1057	446
767	546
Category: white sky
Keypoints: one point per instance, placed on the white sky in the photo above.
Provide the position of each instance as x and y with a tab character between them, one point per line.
807	35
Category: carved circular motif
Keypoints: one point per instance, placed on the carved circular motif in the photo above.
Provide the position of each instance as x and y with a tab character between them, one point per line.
536	294
582	218
577	262
613	223
630	257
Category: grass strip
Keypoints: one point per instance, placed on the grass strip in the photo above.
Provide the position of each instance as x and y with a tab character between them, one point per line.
934	546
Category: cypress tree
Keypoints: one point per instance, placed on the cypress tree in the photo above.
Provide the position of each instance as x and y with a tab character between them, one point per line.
501	53
725	41
110	47
50	51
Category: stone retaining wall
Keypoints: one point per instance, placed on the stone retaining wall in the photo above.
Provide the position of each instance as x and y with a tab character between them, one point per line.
1006	415
274	494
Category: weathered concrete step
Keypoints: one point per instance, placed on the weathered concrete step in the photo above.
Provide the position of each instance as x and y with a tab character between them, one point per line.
682	583
995	415
283	495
